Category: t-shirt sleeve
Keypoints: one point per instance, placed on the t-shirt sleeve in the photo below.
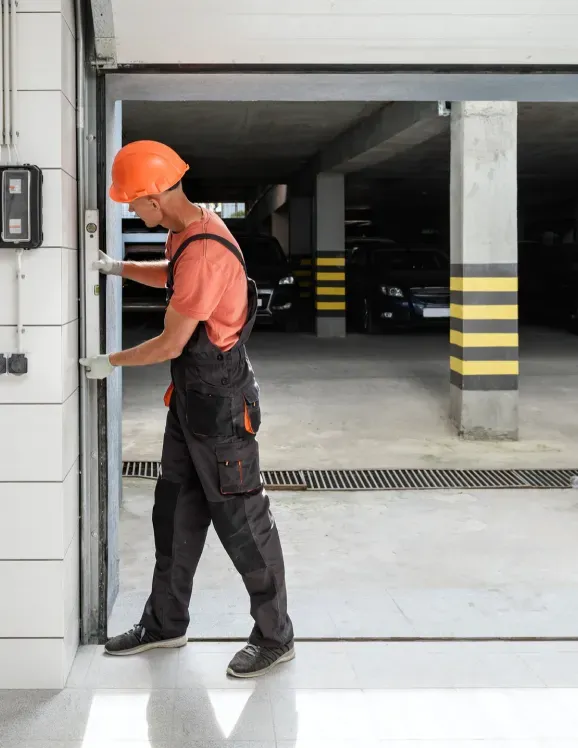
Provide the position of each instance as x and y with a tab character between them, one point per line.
199	285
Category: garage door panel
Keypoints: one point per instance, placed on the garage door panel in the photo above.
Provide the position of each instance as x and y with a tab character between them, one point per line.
323	32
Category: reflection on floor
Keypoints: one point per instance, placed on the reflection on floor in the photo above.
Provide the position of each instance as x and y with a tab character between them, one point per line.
427	564
376	402
332	696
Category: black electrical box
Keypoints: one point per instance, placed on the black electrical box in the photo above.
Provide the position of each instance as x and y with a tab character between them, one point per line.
20	207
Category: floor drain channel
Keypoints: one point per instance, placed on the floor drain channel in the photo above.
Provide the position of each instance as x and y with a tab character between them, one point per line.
390	480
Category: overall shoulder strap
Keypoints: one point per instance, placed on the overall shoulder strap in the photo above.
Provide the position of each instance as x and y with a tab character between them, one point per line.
214	237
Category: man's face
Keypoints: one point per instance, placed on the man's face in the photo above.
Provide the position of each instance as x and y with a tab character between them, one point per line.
148	209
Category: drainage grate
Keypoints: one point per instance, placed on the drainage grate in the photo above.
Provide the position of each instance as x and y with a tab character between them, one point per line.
384	480
391	480
134	469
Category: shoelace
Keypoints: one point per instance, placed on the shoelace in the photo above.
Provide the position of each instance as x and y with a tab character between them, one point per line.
251	649
139	631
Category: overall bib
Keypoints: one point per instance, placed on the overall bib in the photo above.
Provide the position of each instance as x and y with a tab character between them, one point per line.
210	473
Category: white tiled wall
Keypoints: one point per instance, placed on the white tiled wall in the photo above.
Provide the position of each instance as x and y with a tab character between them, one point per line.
49	290
39	520
39	478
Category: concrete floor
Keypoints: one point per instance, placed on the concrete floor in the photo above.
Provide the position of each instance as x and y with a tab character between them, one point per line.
483	564
331	696
376	402
427	564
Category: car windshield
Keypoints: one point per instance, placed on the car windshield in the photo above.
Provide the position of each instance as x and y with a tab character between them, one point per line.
260	251
386	259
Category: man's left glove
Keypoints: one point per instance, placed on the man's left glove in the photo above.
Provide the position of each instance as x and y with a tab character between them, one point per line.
97	367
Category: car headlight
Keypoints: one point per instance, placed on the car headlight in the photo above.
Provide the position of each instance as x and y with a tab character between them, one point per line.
288	281
392	291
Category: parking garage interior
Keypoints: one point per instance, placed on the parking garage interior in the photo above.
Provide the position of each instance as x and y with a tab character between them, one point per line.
339	395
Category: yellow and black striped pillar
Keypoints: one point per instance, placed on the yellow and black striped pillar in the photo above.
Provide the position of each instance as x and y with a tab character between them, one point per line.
330	306
303	273
484	364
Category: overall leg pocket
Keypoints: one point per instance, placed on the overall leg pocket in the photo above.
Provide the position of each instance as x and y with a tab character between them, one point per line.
239	471
208	414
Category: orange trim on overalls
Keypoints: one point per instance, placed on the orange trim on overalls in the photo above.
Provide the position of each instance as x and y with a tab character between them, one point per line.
169	394
248	426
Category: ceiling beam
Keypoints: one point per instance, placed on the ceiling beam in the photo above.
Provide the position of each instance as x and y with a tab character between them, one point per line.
393	129
104	38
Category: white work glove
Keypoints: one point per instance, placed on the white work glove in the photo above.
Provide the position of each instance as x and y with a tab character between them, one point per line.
97	367
107	265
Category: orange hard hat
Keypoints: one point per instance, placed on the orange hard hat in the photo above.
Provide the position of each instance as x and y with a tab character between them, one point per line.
144	168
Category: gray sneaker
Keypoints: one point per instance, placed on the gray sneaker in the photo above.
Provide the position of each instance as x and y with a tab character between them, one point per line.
138	640
253	661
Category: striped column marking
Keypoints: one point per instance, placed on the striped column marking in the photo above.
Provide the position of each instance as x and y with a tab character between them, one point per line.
484	327
304	275
330	285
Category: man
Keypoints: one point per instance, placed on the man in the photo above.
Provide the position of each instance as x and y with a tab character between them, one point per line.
210	459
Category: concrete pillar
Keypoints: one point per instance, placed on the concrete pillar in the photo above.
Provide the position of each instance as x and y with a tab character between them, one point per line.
484	312
300	227
280	229
330	255
39	411
301	244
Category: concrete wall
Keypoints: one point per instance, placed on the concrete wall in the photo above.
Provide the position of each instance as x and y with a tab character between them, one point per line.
39	538
235	32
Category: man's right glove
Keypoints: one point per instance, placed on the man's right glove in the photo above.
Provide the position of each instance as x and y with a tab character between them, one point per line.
97	367
107	265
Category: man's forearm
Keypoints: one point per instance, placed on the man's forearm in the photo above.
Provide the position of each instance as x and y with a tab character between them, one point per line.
154	351
152	274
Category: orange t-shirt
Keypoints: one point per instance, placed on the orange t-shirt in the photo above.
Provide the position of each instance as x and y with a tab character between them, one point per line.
210	283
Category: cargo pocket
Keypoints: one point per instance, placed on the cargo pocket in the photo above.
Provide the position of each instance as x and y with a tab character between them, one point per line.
252	414
239	471
209	415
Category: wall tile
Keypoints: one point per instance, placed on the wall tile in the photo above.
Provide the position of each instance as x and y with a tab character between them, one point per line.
35	590
69	281
52	145
70	430
51	587
52	354
70	507
50	288
32	663
38	442
59	210
40	46
66	7
68	62
69	334
38	520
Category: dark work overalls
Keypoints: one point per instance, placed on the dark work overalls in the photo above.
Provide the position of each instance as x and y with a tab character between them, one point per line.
210	473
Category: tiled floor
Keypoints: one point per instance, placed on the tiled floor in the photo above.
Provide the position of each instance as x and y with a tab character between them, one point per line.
419	695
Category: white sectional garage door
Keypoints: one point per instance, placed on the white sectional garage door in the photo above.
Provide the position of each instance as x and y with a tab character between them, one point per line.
346	32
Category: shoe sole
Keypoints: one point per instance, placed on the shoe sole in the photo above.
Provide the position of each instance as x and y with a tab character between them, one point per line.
287	657
164	644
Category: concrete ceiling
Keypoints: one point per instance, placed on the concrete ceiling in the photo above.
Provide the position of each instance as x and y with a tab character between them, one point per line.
235	149
547	148
258	142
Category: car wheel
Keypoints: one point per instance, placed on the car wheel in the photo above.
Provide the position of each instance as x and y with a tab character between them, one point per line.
369	325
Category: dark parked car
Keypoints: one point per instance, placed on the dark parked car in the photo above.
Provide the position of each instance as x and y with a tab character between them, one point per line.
266	264
277	287
390	286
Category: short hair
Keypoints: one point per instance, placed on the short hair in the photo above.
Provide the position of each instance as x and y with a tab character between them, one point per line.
175	186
